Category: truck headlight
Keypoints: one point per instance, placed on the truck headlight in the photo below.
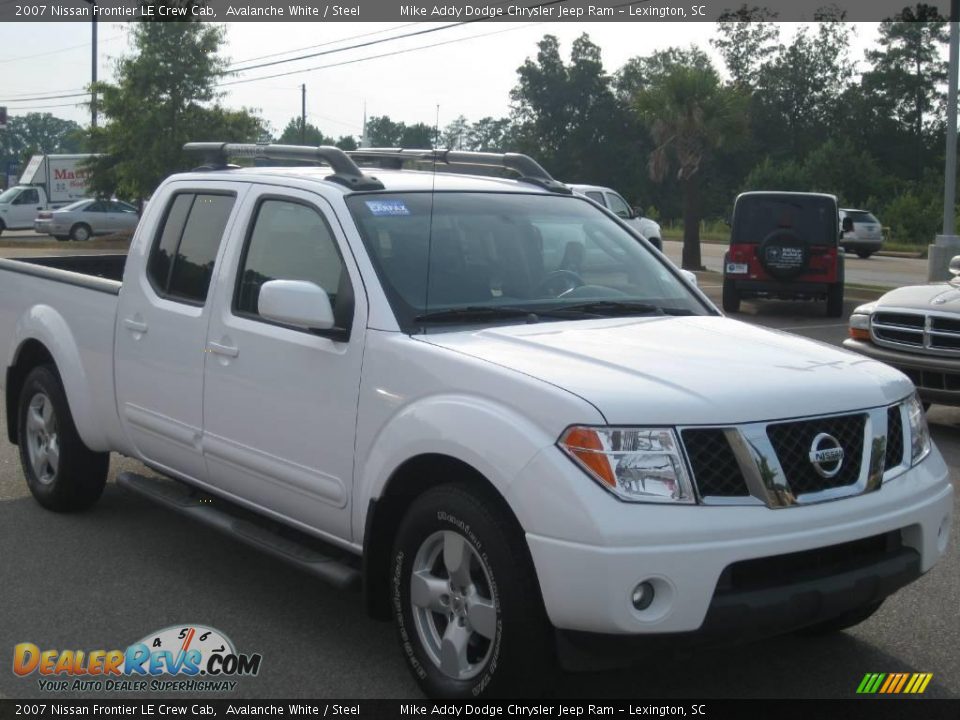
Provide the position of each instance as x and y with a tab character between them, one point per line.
635	464
919	432
860	322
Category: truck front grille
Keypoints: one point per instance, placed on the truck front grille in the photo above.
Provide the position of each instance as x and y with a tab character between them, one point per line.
713	463
893	455
792	443
926	332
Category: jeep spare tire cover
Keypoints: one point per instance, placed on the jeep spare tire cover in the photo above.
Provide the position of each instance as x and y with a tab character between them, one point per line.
784	254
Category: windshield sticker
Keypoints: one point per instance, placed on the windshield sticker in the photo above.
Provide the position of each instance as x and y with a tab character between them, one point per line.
387	208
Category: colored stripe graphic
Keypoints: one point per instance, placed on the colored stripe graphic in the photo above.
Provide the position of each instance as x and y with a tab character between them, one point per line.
894	683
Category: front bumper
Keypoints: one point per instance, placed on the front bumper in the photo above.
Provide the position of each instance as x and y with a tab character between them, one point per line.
685	553
937	378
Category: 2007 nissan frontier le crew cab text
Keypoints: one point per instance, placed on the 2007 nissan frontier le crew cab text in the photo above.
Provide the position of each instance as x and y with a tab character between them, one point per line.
486	401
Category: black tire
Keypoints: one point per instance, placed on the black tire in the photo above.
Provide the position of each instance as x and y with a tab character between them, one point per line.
81	232
835	300
76	479
731	298
2	228
520	658
864	253
62	238
784	255
841	622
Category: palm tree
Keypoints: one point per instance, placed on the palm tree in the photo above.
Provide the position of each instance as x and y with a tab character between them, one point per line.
690	114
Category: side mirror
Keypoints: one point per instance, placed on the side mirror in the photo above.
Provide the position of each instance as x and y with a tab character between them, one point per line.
847	225
637	212
954	266
296	302
690	276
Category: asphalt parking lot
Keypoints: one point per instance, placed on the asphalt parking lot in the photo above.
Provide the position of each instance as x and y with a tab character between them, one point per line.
106	578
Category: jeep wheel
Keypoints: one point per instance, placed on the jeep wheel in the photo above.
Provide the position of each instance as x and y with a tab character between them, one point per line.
835	300
466	600
62	473
784	255
731	298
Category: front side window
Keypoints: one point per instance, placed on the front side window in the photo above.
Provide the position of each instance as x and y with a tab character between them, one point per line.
289	241
181	263
28	197
597	197
474	255
618	206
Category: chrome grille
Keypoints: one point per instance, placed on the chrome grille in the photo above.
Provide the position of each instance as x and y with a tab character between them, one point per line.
792	442
771	463
927	332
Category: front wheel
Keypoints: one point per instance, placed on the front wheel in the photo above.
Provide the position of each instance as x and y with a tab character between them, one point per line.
466	600
62	473
864	253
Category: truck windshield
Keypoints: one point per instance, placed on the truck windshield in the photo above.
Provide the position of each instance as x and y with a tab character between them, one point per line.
8	195
458	257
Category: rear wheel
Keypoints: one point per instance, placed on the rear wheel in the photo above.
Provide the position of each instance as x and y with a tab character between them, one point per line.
731	298
2	227
80	232
62	473
842	622
864	253
835	300
466	600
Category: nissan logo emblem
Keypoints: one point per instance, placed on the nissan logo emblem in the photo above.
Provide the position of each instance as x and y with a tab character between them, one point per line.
826	455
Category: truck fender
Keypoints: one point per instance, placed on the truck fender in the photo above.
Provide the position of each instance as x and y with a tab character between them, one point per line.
45	325
449	425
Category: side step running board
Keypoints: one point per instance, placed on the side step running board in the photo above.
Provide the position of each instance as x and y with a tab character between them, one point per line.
240	524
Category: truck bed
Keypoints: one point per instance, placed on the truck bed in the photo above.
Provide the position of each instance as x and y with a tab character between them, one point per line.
96	272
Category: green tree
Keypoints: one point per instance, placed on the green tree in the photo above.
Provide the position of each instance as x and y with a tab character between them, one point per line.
746	40
691	115
313	136
490	135
163	97
454	135
34	133
907	75
381	131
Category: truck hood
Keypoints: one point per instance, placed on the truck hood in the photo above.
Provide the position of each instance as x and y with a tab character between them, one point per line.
936	296
685	370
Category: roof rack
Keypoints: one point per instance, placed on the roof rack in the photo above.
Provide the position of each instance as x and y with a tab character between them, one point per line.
345	171
530	170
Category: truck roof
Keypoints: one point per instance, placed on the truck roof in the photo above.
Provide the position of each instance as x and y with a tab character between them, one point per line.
393	180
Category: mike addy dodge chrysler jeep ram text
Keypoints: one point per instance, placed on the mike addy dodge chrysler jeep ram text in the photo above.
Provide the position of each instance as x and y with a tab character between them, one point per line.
488	402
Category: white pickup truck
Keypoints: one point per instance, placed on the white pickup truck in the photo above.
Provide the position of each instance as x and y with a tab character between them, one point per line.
520	429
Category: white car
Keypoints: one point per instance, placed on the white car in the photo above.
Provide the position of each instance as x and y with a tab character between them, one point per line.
861	232
614	202
518	429
916	329
85	219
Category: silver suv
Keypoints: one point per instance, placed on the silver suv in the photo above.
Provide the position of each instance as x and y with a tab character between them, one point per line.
861	232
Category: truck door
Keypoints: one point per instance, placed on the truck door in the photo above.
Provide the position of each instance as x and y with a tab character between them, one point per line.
280	402
24	208
162	327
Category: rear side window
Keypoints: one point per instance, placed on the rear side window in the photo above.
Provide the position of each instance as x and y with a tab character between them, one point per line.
289	241
596	197
811	218
181	263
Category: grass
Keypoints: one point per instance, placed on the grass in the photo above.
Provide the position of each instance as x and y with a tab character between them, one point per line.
717	237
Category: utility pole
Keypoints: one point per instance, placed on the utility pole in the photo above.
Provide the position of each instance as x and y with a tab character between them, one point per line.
436	129
947	245
303	114
93	62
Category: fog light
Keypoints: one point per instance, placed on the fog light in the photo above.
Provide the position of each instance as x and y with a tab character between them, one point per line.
642	595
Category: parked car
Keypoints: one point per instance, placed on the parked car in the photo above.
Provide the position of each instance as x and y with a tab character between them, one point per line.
615	203
860	232
47	183
85	218
916	329
784	245
428	381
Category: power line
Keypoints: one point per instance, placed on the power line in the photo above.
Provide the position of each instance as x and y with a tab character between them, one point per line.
324	44
382	55
54	52
49	97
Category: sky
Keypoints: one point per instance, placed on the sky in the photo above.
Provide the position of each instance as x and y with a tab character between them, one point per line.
470	74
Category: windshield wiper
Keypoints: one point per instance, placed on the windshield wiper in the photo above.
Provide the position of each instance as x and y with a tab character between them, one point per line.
477	312
610	308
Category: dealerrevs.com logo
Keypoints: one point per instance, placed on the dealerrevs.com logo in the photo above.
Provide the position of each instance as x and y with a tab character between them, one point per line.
199	658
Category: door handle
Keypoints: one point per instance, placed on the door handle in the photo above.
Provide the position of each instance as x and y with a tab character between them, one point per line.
134	325
228	350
